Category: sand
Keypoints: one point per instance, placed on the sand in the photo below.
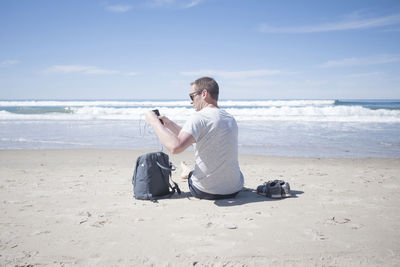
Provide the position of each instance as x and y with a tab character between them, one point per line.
75	207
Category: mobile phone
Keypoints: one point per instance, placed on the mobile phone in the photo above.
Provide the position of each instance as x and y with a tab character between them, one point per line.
158	114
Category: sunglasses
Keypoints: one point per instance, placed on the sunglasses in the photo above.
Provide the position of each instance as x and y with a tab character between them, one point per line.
191	95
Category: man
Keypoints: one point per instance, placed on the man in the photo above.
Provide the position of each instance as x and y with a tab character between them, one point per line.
215	134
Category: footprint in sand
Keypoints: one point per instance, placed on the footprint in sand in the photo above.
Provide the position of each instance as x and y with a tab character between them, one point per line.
343	221
86	215
335	220
100	224
316	235
41	232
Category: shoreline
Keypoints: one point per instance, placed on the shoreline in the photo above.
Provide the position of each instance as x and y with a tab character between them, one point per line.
144	151
75	207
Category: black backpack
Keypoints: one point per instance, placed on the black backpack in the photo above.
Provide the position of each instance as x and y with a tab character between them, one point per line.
151	177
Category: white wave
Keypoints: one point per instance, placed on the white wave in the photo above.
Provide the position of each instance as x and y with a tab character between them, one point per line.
276	113
309	113
276	103
99	113
128	113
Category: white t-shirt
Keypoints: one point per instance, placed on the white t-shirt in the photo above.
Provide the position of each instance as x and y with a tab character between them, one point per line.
216	151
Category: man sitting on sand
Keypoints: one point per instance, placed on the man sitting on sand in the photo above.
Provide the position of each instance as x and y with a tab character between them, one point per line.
215	134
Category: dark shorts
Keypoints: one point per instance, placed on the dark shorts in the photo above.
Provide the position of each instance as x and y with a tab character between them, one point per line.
203	195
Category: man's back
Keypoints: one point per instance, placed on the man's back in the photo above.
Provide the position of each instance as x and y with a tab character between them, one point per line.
216	151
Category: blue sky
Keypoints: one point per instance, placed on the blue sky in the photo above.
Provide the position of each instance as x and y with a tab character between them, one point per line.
153	49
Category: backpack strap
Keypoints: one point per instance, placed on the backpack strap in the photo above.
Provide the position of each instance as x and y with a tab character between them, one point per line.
162	167
170	168
175	187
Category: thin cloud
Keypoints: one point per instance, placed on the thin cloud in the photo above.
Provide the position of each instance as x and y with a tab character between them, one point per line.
131	73
363	75
351	23
160	3
118	8
173	3
350	62
9	62
253	83
192	3
92	70
233	74
314	82
79	69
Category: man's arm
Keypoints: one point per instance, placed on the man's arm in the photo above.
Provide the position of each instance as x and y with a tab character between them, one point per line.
175	142
172	126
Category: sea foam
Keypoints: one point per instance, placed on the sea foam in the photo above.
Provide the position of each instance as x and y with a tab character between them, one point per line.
243	110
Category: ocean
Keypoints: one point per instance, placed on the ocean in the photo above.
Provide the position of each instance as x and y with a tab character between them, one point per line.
289	128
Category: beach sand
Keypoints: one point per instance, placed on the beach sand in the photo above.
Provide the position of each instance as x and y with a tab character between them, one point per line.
75	207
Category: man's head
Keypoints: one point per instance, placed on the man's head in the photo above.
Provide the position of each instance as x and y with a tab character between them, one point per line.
208	84
204	92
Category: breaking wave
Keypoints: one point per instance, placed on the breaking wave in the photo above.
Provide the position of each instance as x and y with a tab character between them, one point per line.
263	110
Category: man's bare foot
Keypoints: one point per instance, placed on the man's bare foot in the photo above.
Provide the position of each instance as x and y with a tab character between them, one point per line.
186	169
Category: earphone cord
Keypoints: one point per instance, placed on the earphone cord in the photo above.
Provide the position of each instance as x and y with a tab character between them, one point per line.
142	134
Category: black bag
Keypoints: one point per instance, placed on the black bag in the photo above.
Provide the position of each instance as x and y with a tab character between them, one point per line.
151	177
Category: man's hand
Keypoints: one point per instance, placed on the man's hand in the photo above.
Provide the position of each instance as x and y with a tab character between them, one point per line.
165	120
151	118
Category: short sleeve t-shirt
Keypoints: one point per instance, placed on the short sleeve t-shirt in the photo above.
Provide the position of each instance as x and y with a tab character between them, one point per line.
216	151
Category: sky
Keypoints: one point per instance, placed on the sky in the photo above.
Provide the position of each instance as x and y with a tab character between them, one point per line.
154	49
